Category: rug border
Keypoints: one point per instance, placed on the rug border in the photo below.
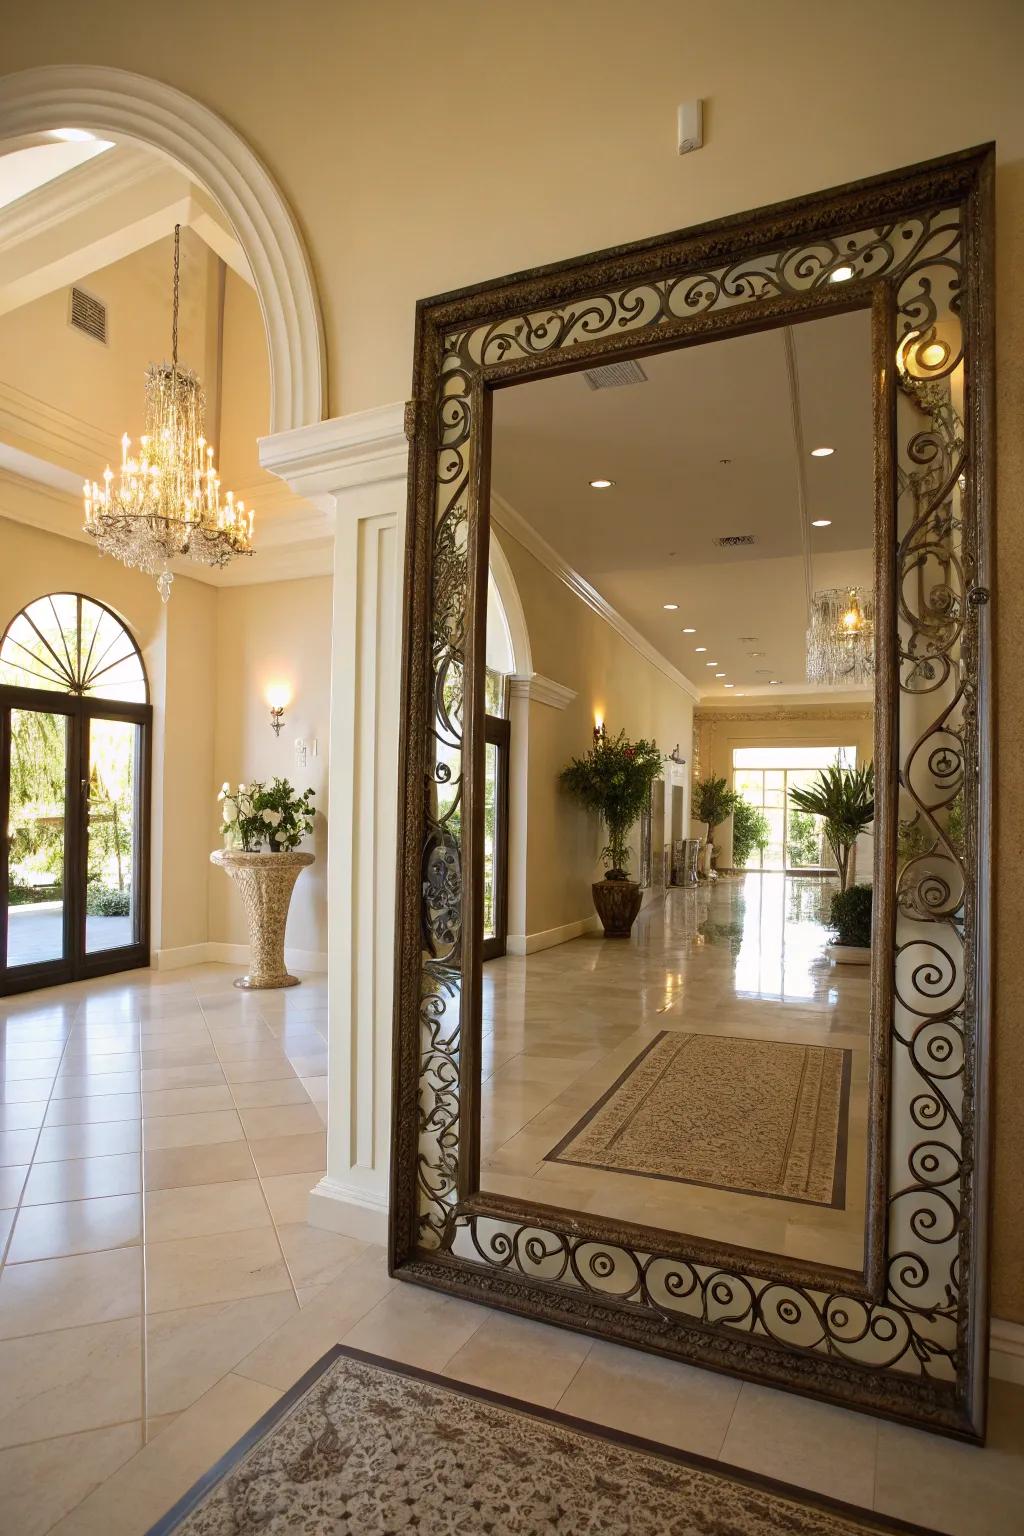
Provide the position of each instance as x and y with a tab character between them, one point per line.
839	1175
884	1525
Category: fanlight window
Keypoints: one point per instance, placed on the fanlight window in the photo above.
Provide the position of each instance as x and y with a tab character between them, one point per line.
67	643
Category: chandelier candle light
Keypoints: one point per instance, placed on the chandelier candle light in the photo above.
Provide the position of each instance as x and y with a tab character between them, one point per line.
167	500
841	637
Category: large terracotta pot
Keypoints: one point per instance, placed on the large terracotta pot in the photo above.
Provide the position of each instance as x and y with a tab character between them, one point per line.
617	903
265	882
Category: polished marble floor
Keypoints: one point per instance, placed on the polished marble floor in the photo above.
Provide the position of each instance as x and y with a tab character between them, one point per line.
741	957
163	1287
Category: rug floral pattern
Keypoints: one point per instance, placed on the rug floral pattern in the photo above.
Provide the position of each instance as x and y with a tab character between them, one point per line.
371	1451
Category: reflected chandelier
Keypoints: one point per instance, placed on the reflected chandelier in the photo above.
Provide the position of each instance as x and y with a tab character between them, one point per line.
841	637
167	502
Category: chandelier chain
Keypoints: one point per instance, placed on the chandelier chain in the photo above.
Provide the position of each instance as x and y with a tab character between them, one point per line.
174	306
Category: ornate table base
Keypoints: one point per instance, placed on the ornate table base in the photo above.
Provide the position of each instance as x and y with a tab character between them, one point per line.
265	882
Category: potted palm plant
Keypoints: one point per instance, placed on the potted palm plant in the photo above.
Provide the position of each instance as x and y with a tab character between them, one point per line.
713	803
844	798
614	779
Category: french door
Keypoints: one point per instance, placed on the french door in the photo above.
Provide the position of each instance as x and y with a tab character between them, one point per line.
74	850
495	930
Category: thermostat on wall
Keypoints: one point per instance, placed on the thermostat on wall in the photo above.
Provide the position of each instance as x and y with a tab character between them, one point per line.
691	126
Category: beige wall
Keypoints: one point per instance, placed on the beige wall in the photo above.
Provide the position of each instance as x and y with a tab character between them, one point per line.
370	115
717	733
573	646
280	633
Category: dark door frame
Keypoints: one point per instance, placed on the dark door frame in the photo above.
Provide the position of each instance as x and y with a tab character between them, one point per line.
76	963
497	732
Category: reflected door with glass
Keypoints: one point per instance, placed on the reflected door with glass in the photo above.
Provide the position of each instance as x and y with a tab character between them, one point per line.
74	795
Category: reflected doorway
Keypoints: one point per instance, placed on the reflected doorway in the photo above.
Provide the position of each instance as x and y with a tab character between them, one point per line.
75	726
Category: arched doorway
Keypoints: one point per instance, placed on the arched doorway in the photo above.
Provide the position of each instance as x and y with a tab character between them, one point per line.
75	756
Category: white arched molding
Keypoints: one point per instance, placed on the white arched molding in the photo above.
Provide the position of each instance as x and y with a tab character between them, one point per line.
130	107
515	618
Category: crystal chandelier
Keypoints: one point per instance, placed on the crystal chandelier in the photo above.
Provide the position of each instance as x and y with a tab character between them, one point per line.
841	637
167	501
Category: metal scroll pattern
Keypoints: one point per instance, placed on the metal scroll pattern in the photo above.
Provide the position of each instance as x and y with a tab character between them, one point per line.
914	1330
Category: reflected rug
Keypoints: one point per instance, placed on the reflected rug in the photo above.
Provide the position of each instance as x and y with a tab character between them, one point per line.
754	1117
367	1447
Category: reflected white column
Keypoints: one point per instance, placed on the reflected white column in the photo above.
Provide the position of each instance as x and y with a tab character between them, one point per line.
354	469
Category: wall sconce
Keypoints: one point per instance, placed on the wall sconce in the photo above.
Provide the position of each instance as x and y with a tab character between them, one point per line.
278	696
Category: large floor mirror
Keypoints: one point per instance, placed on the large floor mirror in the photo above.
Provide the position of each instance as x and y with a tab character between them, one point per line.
692	985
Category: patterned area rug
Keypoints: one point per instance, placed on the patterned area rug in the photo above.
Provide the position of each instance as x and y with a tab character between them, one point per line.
757	1117
365	1447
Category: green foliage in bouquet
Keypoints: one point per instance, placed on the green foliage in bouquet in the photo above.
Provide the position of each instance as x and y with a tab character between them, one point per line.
274	813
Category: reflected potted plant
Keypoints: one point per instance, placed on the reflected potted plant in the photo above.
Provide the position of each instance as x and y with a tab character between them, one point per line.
275	814
844	798
851	918
713	803
614	779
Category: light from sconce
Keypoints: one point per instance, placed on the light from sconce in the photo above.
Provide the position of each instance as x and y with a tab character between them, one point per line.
278	696
600	734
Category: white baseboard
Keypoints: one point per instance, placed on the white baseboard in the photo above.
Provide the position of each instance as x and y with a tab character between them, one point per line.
353	1212
214	953
177	959
547	938
1006	1351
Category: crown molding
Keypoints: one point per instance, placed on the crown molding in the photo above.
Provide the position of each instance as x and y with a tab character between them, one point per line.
78	190
540	689
514	523
341	453
784	712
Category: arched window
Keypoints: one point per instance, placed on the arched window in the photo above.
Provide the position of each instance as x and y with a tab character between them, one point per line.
68	643
75	729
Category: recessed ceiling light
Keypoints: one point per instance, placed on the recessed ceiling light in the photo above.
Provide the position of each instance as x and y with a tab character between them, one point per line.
711	663
730	685
601	485
821	522
689	631
670	607
755	653
719	674
841	275
72	135
774	682
822	453
699	648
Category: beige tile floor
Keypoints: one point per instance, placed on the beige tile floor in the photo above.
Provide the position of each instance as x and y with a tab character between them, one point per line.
127	1370
745	957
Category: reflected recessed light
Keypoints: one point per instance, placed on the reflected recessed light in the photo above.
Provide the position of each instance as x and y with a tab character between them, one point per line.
699	648
841	275
601	485
689	631
670	607
822	453
72	135
821	522
719	674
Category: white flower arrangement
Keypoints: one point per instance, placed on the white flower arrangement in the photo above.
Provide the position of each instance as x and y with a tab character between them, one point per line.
256	813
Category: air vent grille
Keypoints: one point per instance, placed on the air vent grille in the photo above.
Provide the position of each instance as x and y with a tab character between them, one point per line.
734	540
88	314
615	375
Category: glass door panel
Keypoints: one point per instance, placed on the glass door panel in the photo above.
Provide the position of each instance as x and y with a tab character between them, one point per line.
111	920
37	826
490	837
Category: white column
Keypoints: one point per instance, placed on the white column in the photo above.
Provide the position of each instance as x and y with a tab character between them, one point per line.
354	469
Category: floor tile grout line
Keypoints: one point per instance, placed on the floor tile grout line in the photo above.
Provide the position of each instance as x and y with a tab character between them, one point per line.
28	1173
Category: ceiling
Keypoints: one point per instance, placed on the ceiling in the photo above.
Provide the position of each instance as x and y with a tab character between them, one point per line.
716	443
102	216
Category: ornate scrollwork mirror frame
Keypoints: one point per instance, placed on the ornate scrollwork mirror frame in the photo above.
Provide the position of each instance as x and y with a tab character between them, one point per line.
906	1337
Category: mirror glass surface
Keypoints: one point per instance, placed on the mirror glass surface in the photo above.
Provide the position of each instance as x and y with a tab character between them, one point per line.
705	1073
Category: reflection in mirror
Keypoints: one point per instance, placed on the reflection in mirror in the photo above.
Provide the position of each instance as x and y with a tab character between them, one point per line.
678	791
